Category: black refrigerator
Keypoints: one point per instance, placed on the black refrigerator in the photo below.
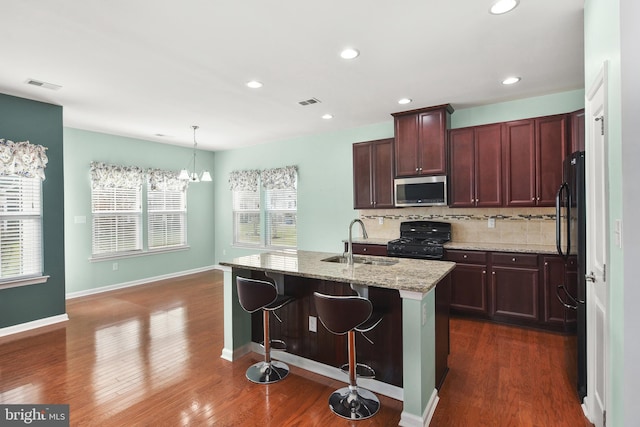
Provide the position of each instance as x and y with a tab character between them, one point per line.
571	240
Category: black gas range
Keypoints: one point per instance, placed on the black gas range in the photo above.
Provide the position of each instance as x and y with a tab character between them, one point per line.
420	239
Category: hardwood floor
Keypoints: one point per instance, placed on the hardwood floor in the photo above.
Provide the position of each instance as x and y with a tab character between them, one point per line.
150	356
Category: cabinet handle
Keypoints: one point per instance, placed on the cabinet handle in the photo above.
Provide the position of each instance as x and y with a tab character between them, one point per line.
464	256
546	263
364	249
493	273
417	169
484	271
513	259
538	198
533	199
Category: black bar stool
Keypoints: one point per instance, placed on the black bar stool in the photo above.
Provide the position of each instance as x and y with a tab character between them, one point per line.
257	295
342	315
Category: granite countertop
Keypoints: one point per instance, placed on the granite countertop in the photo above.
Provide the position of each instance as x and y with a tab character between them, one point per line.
478	246
406	274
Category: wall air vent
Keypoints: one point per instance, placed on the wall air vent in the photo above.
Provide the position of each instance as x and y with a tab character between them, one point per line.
45	85
309	101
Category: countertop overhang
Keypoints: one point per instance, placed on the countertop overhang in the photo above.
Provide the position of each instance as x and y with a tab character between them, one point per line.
405	275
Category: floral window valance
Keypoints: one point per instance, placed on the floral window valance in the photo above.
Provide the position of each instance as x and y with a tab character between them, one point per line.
244	180
166	180
279	178
104	175
22	159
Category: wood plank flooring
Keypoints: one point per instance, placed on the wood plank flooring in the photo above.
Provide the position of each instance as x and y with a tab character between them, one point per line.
150	356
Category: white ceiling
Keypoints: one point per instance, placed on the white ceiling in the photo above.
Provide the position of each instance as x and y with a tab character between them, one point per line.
138	68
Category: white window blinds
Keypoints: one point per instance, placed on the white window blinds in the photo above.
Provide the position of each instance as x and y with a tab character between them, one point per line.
20	227
246	217
281	213
116	206
167	218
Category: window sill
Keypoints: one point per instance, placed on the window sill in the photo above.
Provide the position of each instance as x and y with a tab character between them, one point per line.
23	282
138	254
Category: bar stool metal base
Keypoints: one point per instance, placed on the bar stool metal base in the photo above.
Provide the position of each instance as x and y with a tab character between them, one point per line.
267	373
354	403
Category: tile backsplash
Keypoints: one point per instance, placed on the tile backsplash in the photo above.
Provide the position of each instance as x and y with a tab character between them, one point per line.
532	226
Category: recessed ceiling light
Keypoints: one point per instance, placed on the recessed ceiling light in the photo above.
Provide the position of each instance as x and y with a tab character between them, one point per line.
503	6
404	101
327	117
254	84
349	53
511	80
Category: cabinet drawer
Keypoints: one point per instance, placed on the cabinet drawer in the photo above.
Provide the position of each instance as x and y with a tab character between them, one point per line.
364	249
514	259
473	257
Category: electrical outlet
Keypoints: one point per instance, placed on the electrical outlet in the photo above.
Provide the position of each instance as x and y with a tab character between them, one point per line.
115	266
313	324
381	220
491	223
424	314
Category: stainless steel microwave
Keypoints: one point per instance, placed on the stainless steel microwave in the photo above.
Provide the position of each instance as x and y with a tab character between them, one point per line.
421	191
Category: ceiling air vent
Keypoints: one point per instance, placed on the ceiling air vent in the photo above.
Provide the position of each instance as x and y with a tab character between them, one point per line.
309	101
45	85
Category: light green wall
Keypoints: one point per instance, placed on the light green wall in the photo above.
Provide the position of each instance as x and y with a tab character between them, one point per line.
325	190
602	43
80	149
325	183
545	105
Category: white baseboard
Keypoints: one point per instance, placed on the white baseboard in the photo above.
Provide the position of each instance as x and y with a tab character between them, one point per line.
380	387
411	420
35	324
231	355
72	295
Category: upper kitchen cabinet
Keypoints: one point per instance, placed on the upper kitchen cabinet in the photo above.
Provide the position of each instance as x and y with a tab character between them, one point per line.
420	141
534	151
576	120
373	174
475	155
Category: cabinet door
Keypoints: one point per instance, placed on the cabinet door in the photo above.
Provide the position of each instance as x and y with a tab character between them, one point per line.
461	178
551	144
577	131
469	289
406	128
515	293
553	274
519	163
432	127
362	176
383	174
488	165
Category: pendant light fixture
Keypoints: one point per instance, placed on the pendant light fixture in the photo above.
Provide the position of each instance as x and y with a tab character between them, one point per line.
193	176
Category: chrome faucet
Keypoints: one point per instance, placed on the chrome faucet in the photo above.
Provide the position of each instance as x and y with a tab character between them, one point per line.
350	242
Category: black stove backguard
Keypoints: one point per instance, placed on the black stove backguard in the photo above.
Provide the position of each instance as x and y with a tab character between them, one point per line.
420	239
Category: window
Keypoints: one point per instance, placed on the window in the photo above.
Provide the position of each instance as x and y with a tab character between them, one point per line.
266	215
20	227
116	206
166	215
246	218
281	210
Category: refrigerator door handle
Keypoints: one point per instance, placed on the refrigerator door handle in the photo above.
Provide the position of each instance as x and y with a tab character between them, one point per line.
563	188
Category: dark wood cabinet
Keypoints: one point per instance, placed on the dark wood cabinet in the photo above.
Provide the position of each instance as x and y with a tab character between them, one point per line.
469	282
420	141
555	272
476	166
515	292
576	120
367	249
534	150
373	174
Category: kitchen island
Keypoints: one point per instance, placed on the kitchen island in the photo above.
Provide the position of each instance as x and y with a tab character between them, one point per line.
411	281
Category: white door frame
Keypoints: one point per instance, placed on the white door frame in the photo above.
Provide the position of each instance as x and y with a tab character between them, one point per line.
597	186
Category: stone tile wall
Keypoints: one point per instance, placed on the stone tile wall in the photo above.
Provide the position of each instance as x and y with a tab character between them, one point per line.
533	226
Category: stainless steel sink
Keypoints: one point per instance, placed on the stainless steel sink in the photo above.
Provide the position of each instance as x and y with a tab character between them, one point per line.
343	259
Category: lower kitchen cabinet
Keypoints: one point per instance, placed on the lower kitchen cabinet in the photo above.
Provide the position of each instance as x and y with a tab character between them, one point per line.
514	288
367	249
469	282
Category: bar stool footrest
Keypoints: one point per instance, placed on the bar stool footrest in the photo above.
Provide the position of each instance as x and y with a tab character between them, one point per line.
362	370
276	345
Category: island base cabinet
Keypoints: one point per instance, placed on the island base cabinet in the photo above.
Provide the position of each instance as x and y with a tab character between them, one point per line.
384	355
